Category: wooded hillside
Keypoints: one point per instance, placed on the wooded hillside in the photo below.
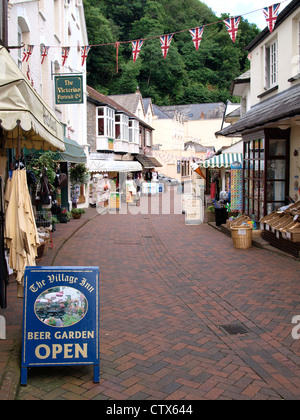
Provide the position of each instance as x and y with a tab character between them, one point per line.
186	75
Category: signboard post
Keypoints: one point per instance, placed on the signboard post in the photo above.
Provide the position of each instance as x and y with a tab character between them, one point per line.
61	318
68	90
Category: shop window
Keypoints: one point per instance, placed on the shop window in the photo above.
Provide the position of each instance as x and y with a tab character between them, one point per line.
105	122
266	173
272	65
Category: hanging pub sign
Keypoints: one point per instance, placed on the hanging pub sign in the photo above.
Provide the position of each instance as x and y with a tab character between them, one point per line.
68	90
61	318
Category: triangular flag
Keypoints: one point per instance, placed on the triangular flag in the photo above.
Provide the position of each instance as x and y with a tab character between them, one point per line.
271	14
136	48
232	25
84	53
24	55
65	54
44	53
165	42
27	54
197	34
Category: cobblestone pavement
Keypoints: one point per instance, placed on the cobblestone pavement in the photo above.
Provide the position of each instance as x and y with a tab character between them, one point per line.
165	290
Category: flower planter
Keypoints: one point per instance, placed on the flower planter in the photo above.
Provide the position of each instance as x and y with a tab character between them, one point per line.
63	218
76	215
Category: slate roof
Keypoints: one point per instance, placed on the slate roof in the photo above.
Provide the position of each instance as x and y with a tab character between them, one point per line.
129	101
282	106
195	112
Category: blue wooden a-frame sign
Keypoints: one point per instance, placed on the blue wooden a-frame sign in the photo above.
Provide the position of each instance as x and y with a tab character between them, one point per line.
61	318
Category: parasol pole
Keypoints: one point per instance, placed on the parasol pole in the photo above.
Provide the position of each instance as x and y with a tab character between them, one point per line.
19	143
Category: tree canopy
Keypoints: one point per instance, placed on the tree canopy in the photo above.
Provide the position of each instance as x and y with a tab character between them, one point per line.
186	75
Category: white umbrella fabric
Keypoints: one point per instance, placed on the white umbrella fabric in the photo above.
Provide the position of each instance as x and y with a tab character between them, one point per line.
20	233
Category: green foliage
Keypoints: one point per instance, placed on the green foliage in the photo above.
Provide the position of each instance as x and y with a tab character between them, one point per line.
45	160
79	174
186	75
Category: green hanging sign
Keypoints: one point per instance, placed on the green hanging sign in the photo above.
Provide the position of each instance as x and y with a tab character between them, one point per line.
68	90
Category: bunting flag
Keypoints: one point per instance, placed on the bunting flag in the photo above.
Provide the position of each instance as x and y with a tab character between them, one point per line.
232	25
271	14
28	73
197	34
84	53
165	42
29	76
44	53
136	49
27	54
65	54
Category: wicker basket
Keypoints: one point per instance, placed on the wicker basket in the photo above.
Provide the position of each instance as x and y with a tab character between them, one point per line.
241	236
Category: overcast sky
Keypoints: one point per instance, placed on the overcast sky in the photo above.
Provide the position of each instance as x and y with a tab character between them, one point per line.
238	7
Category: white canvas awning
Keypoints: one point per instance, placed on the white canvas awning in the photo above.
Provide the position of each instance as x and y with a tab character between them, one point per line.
96	165
225	160
23	113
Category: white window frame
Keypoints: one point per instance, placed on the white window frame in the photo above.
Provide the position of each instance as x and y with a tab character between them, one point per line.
133	131
108	122
271	64
148	138
124	127
20	50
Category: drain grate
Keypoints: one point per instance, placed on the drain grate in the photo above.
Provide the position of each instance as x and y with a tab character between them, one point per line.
234	329
148	237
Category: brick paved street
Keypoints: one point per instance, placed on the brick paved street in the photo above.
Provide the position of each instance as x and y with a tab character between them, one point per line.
165	289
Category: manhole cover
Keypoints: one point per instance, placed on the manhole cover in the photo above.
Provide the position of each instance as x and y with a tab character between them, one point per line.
234	329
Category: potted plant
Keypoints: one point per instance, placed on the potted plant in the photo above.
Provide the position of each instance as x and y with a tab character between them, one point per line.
63	217
210	214
76	213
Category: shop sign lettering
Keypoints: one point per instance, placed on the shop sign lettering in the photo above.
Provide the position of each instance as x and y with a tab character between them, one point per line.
61	318
68	90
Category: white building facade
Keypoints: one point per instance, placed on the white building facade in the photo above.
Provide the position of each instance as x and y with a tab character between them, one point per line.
54	24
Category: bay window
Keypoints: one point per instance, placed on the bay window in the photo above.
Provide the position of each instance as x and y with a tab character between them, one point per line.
105	122
133	131
122	130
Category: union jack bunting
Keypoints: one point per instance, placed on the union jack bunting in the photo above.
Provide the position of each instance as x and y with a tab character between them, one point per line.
165	42
29	76
65	54
136	49
44	53
197	34
27	54
84	53
271	14
232	25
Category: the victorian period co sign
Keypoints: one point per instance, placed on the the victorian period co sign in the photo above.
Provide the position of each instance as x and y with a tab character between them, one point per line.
68	90
61	318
